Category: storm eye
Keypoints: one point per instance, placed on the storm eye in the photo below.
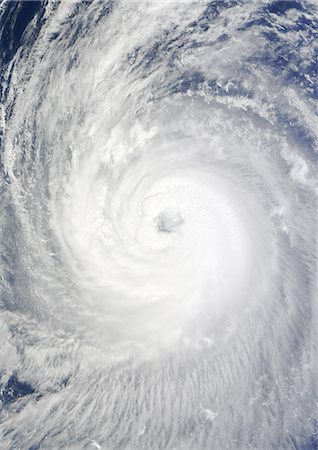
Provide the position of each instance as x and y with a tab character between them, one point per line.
169	221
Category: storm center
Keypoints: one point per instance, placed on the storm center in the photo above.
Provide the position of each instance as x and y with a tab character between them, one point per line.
168	221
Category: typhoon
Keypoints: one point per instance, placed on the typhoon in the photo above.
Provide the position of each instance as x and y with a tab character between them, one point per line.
158	220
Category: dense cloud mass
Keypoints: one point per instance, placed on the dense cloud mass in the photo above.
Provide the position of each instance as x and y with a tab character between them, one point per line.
158	225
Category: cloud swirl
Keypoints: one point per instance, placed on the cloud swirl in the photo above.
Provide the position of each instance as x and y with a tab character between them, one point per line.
159	226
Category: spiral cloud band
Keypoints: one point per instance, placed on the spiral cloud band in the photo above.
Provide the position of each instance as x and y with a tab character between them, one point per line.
159	224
